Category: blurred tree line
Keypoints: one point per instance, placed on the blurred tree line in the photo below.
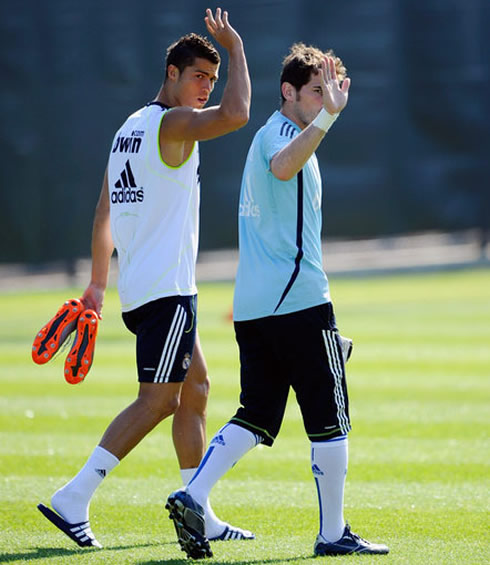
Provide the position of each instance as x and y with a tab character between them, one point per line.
410	153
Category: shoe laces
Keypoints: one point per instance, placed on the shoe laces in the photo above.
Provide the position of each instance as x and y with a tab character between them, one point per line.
353	535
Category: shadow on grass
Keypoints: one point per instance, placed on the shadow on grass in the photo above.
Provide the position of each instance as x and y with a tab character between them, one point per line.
34	553
50	552
247	562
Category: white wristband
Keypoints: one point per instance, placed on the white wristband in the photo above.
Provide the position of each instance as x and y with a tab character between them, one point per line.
324	120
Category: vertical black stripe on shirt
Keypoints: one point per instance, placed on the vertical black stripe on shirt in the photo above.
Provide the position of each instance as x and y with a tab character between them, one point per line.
299	240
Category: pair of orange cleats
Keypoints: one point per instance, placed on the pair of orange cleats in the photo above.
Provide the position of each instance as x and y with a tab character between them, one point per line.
71	316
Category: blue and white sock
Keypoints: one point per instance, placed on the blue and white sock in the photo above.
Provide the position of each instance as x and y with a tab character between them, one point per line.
329	466
229	445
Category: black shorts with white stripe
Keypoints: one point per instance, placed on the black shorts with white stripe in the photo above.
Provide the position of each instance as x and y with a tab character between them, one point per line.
165	332
301	350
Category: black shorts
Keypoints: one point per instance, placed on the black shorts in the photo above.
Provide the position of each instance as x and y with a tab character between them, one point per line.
299	350
165	332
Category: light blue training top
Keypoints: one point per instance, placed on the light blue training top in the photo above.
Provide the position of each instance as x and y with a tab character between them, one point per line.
280	268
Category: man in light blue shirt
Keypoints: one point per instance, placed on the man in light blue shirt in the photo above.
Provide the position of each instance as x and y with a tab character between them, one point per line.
279	229
284	321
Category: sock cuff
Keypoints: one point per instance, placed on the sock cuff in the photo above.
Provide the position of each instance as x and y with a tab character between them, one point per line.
237	433
341	441
102	458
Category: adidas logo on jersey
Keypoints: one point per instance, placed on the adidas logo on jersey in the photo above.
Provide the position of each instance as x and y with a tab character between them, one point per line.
127	186
248	208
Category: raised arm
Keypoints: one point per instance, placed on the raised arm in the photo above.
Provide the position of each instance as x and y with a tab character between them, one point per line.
102	248
232	113
235	102
287	162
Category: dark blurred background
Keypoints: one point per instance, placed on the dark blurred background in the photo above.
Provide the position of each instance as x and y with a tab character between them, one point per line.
409	154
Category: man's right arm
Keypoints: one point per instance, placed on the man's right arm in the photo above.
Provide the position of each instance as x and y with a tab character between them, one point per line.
102	249
287	162
188	124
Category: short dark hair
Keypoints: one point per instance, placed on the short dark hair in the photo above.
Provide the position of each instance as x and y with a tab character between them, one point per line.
302	61
183	52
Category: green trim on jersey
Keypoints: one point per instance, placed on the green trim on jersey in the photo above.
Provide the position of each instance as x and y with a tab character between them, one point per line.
160	149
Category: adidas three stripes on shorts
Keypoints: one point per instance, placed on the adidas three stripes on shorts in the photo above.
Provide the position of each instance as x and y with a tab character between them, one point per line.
165	332
301	351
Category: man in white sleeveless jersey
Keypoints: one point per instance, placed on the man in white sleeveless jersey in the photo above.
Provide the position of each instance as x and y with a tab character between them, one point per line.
148	210
286	329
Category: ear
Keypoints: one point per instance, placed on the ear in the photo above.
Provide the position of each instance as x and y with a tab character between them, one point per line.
173	72
288	91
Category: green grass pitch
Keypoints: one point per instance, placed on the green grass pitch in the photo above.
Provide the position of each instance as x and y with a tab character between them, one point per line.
418	475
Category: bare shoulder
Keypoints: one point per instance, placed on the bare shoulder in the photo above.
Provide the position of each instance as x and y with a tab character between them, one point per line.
175	145
175	122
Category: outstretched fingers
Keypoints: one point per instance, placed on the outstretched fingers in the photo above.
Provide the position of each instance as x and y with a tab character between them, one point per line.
220	28
225	19
329	69
209	20
216	23
335	95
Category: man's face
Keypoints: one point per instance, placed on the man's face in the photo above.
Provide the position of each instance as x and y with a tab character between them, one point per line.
196	82
308	101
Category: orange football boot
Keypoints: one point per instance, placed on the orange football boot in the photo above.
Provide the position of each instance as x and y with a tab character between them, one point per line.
80	357
52	336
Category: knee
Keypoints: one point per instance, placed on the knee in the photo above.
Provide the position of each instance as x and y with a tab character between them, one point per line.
197	382
170	406
194	396
161	407
202	388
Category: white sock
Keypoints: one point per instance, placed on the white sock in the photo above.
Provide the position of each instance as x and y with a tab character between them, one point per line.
72	501
187	474
214	526
229	445
329	466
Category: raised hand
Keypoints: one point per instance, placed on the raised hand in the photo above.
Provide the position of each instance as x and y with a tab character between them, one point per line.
219	27
335	96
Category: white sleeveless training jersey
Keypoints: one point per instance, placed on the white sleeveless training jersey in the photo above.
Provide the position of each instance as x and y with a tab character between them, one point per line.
154	212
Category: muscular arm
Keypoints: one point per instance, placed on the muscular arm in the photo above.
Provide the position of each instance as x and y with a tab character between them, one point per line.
102	249
188	124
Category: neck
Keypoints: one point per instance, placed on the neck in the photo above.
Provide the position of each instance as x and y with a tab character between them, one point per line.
286	111
164	97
